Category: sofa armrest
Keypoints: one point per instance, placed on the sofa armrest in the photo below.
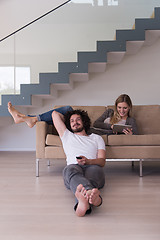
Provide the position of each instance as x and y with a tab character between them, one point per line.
41	133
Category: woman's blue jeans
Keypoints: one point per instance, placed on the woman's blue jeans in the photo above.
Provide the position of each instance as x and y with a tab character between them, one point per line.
47	116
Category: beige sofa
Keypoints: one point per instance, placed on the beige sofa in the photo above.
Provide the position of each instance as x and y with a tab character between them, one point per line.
145	146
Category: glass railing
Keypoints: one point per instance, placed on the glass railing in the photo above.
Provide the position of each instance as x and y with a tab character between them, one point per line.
58	37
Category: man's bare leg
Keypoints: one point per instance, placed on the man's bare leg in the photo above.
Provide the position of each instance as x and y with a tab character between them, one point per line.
19	117
94	197
82	197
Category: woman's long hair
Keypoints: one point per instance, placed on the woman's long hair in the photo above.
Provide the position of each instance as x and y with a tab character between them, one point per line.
122	98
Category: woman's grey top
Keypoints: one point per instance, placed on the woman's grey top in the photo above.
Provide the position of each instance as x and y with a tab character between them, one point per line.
99	123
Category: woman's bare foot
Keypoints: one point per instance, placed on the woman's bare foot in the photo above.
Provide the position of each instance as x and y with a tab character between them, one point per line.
94	197
19	117
82	197
30	121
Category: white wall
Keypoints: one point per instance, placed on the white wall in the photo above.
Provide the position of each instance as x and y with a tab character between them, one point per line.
14	14
137	75
59	36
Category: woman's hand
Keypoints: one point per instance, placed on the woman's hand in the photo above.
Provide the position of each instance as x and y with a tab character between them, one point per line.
127	131
112	129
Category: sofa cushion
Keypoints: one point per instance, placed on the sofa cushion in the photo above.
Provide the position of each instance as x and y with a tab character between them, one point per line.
147	118
132	152
134	140
53	140
54	152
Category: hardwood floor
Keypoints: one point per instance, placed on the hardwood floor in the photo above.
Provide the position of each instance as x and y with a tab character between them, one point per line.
42	208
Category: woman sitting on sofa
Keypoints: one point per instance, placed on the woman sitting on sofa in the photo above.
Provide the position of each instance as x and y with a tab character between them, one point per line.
121	115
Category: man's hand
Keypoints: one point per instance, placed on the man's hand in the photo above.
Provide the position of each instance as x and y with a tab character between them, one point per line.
82	160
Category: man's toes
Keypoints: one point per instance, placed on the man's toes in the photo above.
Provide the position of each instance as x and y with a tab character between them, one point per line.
79	187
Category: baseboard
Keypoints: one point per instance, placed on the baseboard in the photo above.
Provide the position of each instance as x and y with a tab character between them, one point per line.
17	149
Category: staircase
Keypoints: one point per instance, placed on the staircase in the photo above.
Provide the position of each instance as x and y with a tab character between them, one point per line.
146	31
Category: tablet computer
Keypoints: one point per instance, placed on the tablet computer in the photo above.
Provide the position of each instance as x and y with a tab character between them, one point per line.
119	127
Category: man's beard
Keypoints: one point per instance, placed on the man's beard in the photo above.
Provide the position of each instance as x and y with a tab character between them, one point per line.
80	129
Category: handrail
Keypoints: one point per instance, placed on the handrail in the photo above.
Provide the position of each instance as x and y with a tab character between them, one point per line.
34	20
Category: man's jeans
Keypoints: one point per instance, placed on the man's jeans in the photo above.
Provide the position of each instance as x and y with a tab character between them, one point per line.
90	176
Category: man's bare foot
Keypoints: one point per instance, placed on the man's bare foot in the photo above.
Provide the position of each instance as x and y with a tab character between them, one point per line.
82	197
94	197
17	116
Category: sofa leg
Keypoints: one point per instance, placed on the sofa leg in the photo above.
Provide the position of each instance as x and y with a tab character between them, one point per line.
37	167
140	168
132	164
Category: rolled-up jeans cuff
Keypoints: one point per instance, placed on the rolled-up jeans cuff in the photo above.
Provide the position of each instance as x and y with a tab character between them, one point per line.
38	118
88	210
